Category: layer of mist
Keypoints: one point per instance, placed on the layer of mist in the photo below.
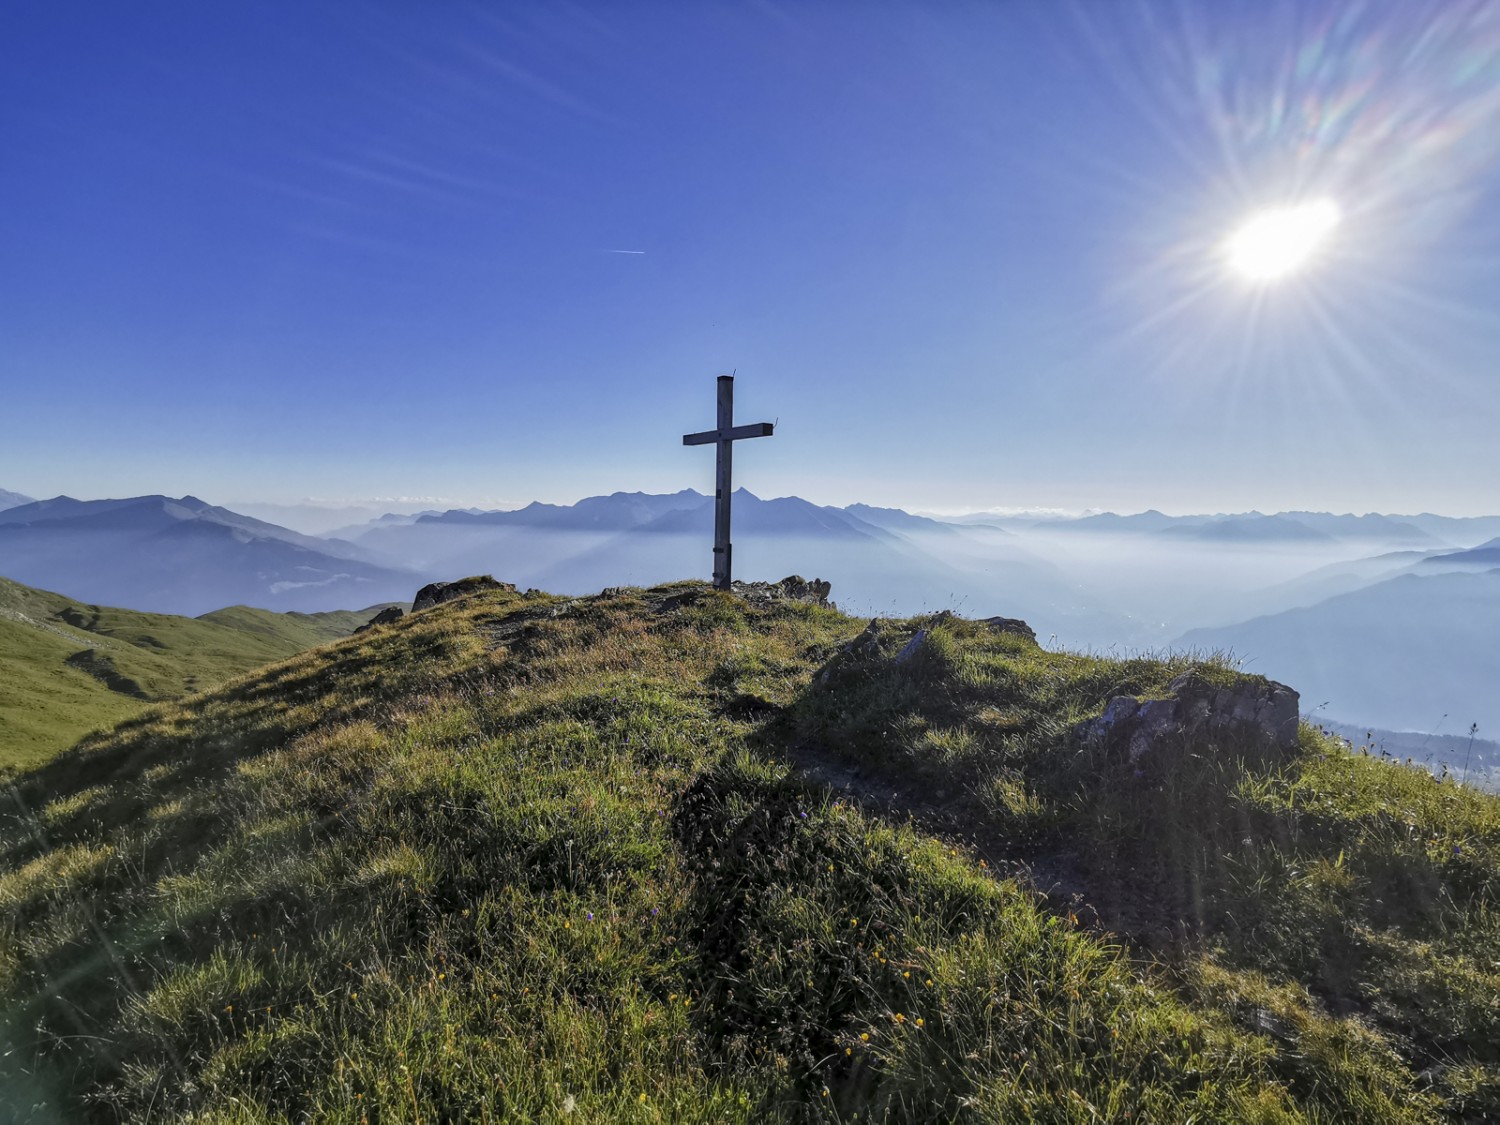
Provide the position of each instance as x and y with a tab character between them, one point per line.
1380	620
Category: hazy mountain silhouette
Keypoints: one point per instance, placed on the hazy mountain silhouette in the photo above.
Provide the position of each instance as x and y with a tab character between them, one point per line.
614	512
1283	526
894	519
13	500
1249	529
1398	654
184	556
1150	520
1459	531
146	513
1371	525
1483	556
1330	580
785	515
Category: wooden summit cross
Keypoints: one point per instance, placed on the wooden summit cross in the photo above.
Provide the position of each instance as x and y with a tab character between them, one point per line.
724	437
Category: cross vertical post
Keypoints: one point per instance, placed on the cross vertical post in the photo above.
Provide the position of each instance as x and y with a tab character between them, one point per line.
724	438
723	548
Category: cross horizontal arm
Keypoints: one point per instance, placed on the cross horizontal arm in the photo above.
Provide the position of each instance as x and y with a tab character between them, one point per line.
708	437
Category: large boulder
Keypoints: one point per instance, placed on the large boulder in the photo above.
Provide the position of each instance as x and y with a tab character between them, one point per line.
436	593
1196	704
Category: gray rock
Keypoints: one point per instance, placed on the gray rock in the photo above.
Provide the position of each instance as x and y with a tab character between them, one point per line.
1268	706
677	601
1121	708
1010	625
384	617
798	589
793	588
1196	706
436	593
1154	720
911	647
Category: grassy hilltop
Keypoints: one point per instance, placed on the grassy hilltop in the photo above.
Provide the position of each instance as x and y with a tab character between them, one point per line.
67	668
672	855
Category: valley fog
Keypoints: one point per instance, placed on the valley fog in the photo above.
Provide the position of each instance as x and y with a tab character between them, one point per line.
1079	588
1386	621
1381	620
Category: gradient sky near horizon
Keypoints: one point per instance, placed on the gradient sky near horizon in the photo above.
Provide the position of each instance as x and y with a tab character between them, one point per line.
967	256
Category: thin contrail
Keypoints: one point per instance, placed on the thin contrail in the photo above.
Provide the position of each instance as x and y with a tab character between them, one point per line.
622	251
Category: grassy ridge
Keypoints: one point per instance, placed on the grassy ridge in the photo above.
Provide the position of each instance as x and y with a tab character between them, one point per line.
519	859
67	668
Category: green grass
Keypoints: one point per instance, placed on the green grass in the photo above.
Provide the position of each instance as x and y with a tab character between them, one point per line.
67	668
520	858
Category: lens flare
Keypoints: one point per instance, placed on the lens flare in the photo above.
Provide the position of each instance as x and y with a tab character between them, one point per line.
1281	241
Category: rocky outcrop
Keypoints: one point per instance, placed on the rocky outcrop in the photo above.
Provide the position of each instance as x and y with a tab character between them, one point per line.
869	641
436	593
384	617
793	588
1195	704
1012	625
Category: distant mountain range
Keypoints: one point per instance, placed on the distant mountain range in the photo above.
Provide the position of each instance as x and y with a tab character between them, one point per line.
619	511
1251	529
184	556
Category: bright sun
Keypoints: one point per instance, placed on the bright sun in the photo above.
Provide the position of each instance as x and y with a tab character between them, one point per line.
1275	243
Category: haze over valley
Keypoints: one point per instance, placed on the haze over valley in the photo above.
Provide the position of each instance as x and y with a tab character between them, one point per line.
1382	620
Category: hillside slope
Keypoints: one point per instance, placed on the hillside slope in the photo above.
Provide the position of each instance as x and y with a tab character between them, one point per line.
67	668
677	855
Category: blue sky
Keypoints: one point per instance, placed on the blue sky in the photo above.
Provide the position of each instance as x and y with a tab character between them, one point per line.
967	256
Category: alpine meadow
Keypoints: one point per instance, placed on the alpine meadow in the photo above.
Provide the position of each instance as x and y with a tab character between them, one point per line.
768	564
